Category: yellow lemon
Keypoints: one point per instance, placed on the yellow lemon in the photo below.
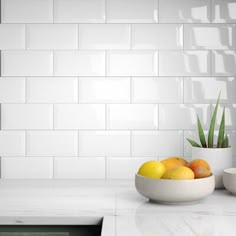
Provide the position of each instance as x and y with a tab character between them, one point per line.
152	169
179	173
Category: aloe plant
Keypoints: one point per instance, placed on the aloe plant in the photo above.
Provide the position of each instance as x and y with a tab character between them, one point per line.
223	140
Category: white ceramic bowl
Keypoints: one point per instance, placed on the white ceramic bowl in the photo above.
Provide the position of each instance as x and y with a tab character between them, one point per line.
229	179
168	191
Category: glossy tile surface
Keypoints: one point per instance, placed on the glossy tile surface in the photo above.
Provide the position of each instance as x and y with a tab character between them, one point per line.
179	63
12	36
27	11
223	63
79	116
79	168
120	11
52	36
223	11
157	89
104	143
79	63
79	11
104	90
104	36
157	36
156	143
26	116
210	36
136	63
187	11
52	90
52	143
196	89
27	63
182	116
132	116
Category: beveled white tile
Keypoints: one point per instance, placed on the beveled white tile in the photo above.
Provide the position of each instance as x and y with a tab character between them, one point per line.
132	11
157	36
123	167
104	143
12	143
26	168
79	116
230	115
26	116
183	116
138	63
156	143
82	63
104	36
52	143
27	63
79	11
210	36
27	11
12	90
132	116
79	168
223	63
104	90
12	37
52	36
179	63
223	11
187	11
206	89
52	90
157	89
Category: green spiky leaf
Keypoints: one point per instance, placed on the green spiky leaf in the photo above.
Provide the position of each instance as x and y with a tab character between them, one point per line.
201	133
212	125
193	143
221	134
225	142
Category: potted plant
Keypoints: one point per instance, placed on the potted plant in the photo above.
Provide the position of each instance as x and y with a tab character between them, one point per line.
218	155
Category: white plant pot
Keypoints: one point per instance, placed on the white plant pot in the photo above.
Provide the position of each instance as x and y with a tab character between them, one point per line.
218	159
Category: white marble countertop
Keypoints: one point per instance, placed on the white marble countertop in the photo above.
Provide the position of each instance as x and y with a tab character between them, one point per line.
123	210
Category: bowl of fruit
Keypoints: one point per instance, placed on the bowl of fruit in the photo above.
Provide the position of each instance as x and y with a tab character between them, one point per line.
175	181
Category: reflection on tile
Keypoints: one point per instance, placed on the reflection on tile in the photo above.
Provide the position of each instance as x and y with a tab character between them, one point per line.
230	115
132	116
196	89
182	116
157	36
223	11
178	63
104	143
132	63
156	143
188	11
157	89
210	36
124	167
132	11
223	63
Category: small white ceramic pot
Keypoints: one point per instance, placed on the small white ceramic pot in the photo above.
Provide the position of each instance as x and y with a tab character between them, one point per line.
218	158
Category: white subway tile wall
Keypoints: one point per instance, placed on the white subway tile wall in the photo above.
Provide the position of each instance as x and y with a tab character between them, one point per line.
93	88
